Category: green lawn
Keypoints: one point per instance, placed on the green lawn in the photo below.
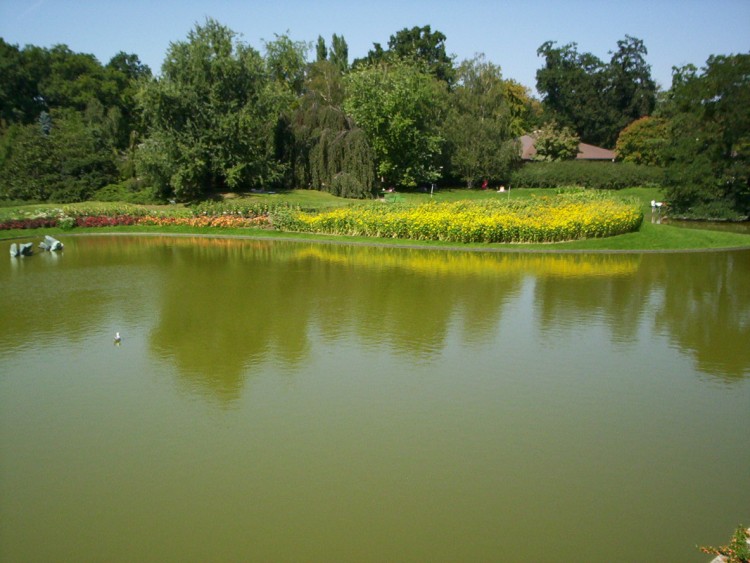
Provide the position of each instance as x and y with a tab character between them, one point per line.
649	237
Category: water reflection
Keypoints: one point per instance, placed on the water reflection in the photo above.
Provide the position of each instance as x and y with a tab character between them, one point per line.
223	308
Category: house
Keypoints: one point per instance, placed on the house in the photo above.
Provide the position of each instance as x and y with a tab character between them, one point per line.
585	151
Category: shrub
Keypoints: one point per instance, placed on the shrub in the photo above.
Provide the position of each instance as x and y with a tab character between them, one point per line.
599	175
738	550
129	191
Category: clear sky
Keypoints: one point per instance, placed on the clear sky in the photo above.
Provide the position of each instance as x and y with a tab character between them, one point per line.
675	32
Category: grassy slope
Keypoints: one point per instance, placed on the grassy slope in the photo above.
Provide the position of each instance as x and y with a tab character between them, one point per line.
649	237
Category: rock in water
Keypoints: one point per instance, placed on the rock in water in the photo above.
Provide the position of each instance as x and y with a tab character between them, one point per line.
51	243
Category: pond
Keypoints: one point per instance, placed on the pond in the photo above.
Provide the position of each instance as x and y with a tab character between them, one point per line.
286	401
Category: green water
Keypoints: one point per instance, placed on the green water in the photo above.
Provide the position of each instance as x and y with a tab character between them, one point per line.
299	402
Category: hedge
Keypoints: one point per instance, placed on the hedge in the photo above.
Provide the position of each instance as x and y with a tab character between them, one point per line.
599	175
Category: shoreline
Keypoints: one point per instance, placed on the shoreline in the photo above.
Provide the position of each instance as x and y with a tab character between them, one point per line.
407	245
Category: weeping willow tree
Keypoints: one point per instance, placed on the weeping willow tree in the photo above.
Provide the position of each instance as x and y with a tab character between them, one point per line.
326	151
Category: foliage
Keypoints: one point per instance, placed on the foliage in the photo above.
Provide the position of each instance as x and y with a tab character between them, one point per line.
598	175
418	45
708	154
555	143
565	217
69	163
643	141
211	118
286	62
738	550
399	106
323	145
86	111
597	99
128	191
337	55
481	125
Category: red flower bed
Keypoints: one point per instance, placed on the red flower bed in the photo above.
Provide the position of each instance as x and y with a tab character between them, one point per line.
39	223
104	221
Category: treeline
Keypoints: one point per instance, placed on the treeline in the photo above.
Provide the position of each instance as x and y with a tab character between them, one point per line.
223	116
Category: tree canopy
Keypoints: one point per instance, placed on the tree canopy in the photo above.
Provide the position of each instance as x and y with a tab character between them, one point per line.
708	147
212	114
416	44
596	99
223	116
482	125
399	105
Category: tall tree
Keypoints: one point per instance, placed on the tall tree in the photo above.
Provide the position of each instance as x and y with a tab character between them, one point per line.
418	44
594	98
708	152
211	117
20	101
339	52
321	51
60	159
399	105
287	61
632	91
480	128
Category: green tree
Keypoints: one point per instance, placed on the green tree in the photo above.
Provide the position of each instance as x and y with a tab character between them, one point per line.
643	141
555	143
59	159
399	105
481	126
20	101
286	61
339	53
596	99
321	51
632	90
708	153
418	44
212	116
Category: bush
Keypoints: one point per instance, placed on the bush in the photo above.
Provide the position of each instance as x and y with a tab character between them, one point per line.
598	175
738	550
128	191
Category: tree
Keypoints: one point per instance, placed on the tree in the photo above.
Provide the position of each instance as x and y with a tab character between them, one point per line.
399	105
632	90
19	94
708	153
554	143
58	159
321	51
286	61
596	99
418	44
643	141
481	126
211	117
339	54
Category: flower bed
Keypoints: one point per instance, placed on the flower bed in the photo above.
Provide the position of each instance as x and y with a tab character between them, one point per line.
225	221
548	219
566	216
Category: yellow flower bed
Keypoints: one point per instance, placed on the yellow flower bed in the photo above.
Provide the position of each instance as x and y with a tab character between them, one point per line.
548	219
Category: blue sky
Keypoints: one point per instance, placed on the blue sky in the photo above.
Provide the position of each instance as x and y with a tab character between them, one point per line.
675	32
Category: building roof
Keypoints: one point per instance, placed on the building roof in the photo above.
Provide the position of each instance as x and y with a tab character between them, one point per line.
585	151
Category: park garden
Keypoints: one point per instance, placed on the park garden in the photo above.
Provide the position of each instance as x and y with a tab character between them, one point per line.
224	118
